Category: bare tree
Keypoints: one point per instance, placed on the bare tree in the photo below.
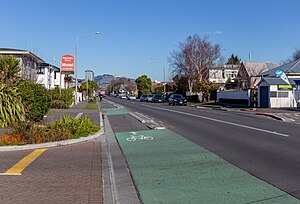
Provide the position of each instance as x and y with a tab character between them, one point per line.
193	59
180	61
294	57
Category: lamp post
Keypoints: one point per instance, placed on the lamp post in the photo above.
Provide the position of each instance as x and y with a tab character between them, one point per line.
76	60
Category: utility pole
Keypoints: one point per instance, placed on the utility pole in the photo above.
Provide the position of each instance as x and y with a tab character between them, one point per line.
164	80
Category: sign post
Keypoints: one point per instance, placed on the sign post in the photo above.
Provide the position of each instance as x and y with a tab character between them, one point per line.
67	64
67	67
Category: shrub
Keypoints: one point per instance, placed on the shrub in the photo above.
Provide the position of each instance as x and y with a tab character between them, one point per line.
10	138
77	127
58	104
11	107
35	99
65	128
58	96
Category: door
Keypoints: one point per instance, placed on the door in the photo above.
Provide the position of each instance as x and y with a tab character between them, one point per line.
264	97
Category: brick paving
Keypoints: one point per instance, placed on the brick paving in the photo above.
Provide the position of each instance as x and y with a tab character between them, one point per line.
70	174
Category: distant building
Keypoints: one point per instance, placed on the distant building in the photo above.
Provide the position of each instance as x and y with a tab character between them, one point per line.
89	75
248	75
220	74
28	62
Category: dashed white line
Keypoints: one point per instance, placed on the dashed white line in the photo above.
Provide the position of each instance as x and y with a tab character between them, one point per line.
220	121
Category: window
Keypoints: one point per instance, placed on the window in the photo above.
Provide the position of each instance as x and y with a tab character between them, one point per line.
273	94
283	94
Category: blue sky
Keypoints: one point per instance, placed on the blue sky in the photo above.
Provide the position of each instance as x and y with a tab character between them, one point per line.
137	36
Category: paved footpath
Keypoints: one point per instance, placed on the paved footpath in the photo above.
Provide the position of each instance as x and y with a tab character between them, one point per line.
60	175
167	168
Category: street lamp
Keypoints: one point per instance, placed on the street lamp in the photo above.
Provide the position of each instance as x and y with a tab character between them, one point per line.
76	60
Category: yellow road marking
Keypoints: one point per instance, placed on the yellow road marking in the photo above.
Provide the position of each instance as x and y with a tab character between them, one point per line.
23	163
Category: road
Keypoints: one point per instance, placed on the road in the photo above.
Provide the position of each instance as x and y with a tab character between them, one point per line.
264	147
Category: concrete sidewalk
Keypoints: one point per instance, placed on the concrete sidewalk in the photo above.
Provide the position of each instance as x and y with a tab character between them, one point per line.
287	115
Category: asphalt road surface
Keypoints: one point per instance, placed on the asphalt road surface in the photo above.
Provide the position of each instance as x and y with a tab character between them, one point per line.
264	147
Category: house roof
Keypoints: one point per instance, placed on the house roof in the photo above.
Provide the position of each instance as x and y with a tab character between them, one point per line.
10	51
289	68
53	67
256	68
279	81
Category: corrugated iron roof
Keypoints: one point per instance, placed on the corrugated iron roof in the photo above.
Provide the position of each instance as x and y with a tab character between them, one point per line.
256	68
289	68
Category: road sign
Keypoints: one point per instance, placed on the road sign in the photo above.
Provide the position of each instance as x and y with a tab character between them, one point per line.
67	64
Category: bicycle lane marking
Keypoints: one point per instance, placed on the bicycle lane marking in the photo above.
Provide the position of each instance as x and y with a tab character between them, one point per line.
172	169
18	168
134	137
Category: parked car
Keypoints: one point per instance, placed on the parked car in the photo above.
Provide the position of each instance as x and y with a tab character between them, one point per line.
158	98
150	97
177	99
144	97
122	96
131	97
298	103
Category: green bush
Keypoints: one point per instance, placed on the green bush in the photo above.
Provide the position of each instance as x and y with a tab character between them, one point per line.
65	128
61	99
35	99
58	104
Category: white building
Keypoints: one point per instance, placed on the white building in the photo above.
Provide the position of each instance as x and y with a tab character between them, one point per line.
89	75
49	76
220	74
28	62
273	92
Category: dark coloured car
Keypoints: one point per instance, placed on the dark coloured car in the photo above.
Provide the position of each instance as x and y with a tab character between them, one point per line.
177	99
158	98
144	97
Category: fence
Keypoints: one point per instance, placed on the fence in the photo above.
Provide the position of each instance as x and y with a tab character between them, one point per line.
234	97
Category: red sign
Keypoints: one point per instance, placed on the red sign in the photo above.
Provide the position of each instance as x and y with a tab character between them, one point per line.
67	64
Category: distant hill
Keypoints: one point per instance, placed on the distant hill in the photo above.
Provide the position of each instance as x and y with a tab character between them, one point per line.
105	79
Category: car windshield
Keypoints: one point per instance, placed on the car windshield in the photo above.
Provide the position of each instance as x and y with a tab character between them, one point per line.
177	96
158	96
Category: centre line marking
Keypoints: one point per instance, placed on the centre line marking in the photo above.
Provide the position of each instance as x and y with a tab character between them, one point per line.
23	163
220	121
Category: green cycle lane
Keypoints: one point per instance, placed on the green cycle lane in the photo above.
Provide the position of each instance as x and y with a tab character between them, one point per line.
167	168
115	111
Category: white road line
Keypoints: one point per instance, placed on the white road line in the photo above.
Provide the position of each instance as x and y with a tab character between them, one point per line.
78	115
220	121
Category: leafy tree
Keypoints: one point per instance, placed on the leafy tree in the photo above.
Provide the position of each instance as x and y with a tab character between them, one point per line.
234	60
207	87
92	86
143	84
